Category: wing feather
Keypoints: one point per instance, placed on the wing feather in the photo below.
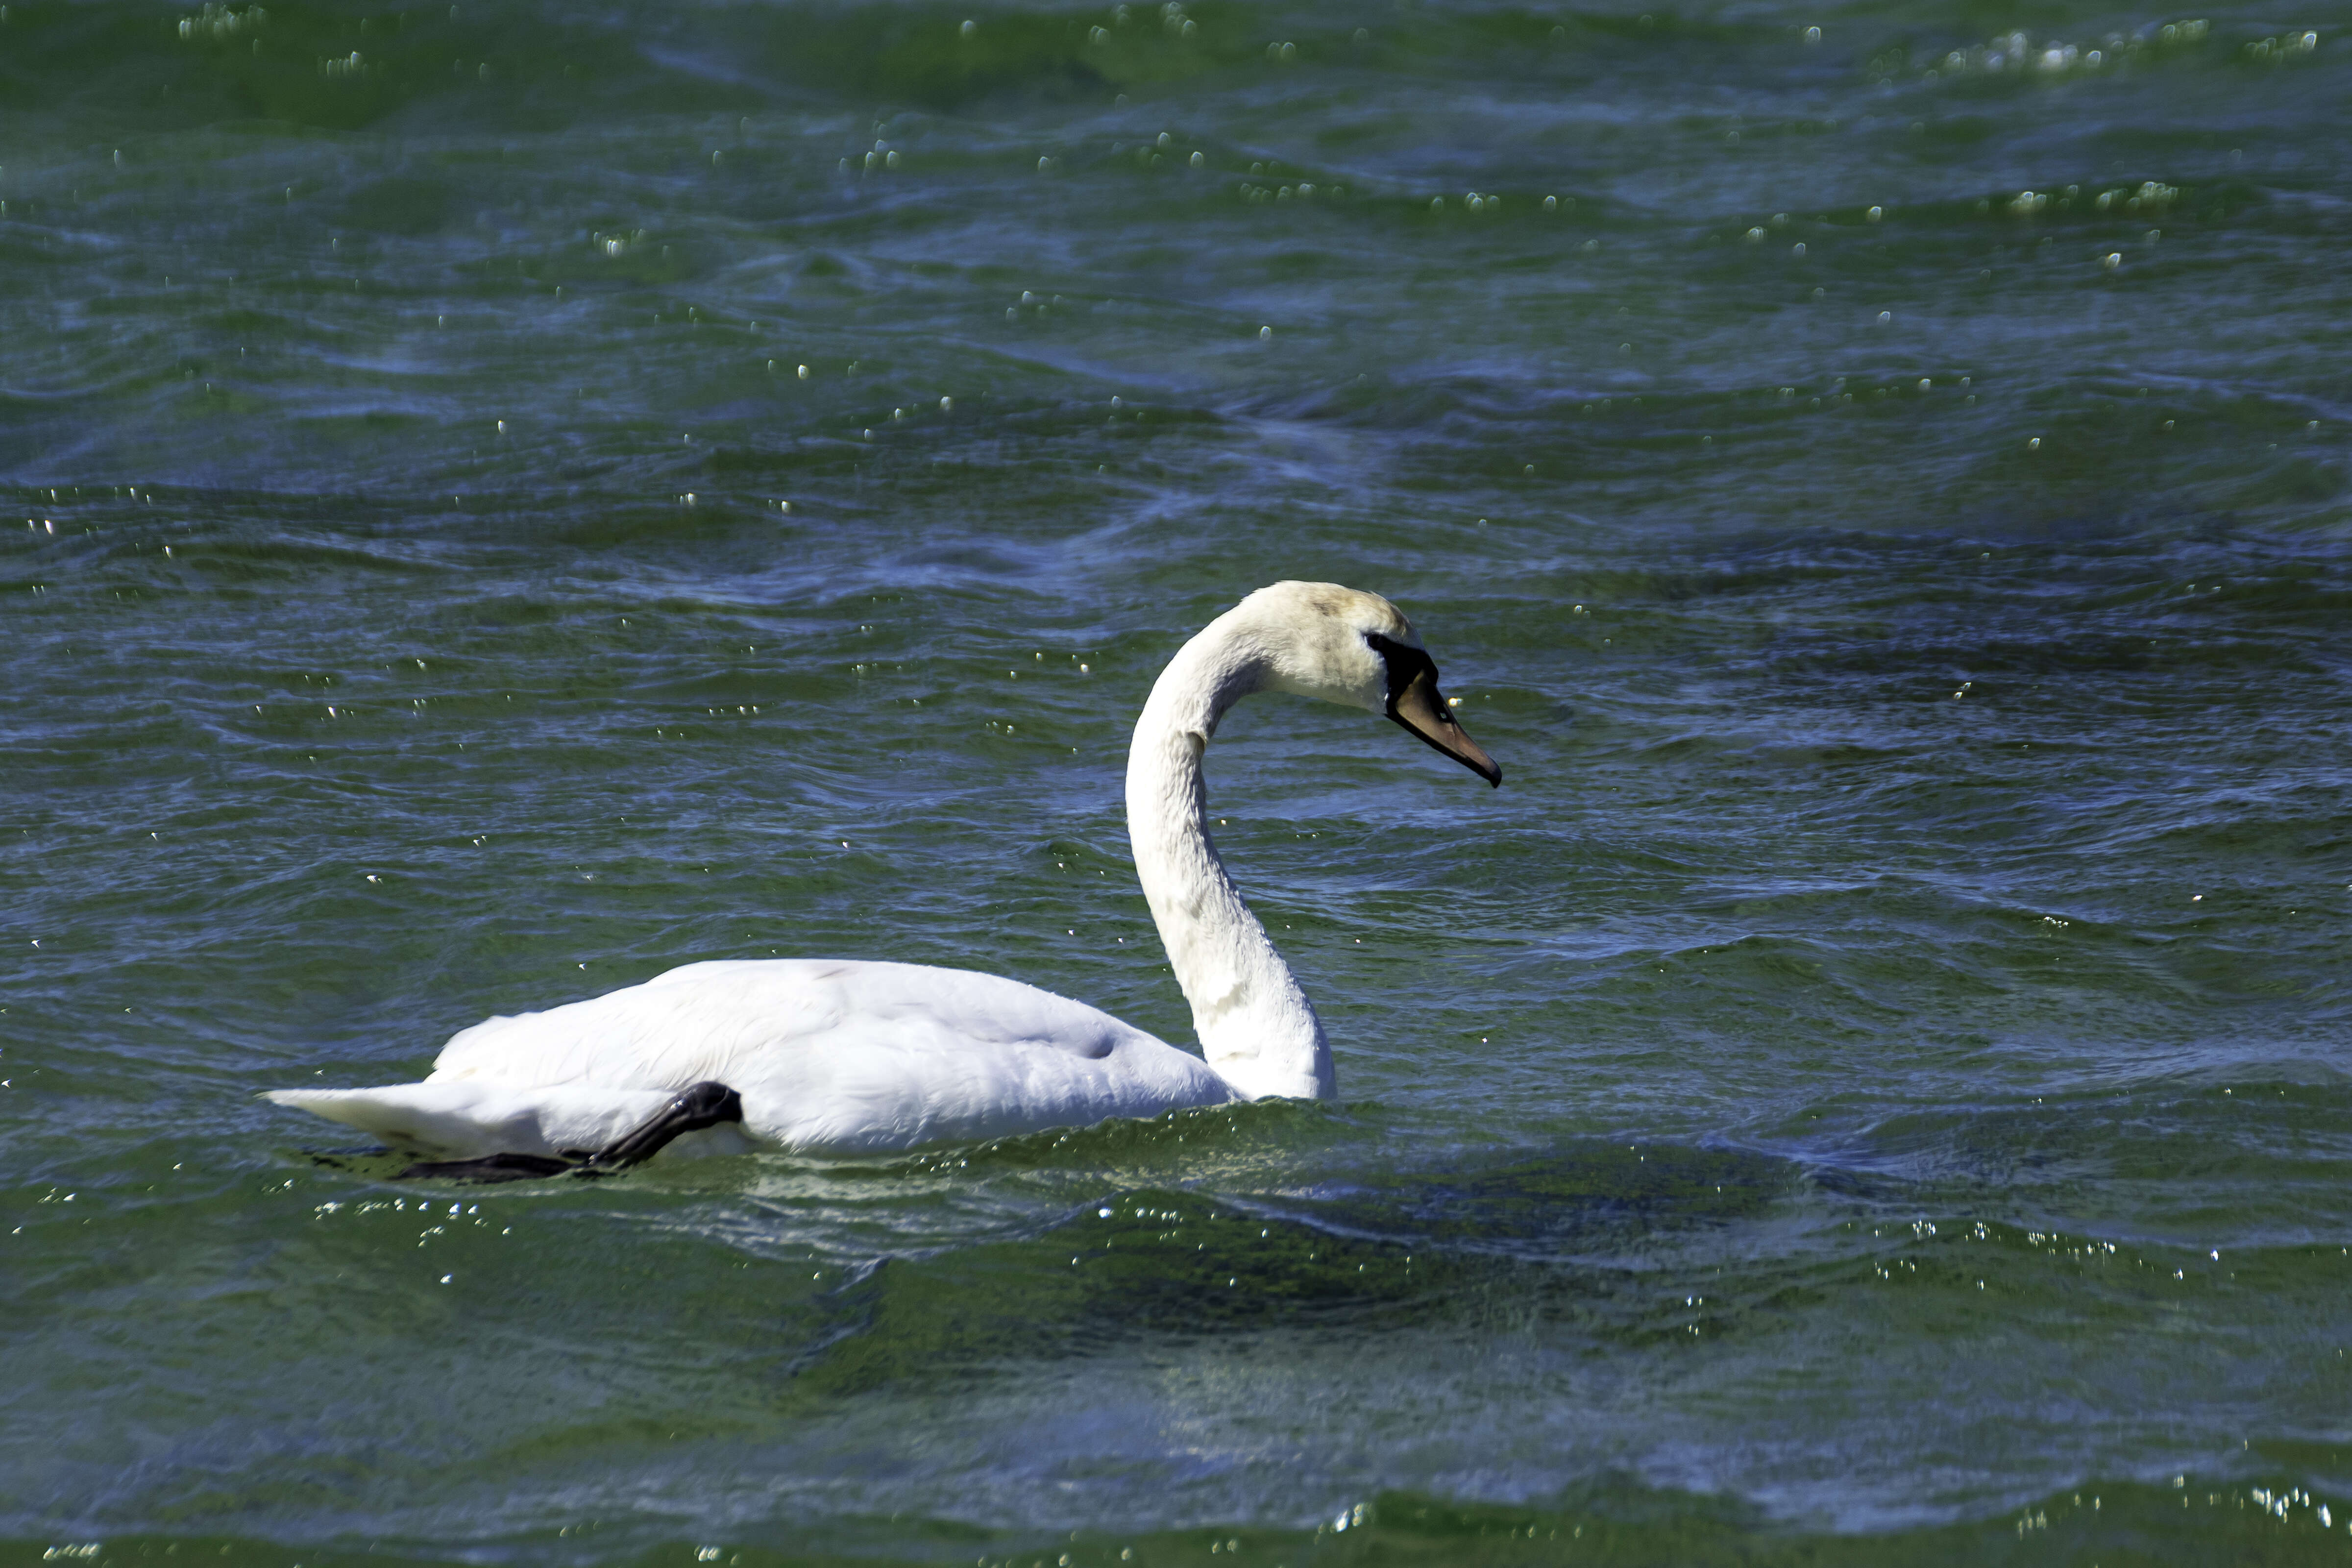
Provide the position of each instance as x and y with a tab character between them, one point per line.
843	1054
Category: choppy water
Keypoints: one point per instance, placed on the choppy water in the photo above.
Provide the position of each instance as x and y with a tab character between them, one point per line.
518	497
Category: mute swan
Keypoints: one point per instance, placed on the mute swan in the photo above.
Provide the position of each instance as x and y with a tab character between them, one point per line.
858	1058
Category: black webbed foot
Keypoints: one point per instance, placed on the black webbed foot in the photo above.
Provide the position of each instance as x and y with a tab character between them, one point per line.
694	1108
697	1106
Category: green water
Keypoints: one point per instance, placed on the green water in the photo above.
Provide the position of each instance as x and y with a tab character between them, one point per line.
517	498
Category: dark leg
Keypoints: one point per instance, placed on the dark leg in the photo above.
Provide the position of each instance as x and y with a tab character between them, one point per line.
697	1106
492	1168
694	1108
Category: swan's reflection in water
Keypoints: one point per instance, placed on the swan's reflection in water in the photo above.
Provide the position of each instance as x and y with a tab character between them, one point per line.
1585	1237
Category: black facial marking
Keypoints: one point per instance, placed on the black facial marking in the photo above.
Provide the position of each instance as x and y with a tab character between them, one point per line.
1403	664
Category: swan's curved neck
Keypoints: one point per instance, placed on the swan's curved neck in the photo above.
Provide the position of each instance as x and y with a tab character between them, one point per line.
1256	1025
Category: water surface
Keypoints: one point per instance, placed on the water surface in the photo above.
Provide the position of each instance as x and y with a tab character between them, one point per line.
517	498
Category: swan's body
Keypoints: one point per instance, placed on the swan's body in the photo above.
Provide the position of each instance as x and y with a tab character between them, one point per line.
843	1057
860	1057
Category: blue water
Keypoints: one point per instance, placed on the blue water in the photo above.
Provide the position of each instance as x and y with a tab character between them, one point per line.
518	497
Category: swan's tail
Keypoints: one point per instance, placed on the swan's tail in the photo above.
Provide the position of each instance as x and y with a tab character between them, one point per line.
473	1119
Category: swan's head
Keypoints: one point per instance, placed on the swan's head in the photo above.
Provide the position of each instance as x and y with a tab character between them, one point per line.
1343	645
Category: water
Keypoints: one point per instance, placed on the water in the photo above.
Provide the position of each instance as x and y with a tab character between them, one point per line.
1872	1084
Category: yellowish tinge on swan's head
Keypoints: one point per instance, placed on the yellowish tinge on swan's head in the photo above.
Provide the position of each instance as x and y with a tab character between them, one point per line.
1306	603
1314	640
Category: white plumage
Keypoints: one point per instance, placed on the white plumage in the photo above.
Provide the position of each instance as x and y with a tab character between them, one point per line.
846	1056
841	1056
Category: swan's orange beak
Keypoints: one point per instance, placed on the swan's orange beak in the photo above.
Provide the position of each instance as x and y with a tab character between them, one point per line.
1420	707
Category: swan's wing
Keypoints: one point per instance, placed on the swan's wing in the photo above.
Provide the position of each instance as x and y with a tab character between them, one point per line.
726	1020
466	1121
999	1064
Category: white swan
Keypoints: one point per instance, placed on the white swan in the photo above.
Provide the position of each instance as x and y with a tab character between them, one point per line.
855	1057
